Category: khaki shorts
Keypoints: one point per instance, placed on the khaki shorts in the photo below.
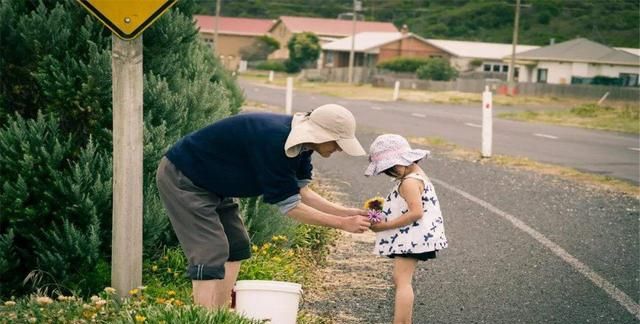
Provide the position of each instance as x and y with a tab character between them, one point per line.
208	227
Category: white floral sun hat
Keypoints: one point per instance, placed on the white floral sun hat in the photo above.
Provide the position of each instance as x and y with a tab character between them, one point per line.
389	150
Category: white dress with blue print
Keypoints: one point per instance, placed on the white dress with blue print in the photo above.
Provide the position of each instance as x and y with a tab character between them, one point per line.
424	235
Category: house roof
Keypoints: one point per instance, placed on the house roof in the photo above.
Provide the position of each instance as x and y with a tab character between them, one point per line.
234	25
634	51
364	42
481	50
370	42
333	27
581	50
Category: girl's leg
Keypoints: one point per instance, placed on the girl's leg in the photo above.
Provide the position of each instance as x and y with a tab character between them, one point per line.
402	278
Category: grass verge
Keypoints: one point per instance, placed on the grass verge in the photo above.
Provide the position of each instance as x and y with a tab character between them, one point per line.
594	180
622	119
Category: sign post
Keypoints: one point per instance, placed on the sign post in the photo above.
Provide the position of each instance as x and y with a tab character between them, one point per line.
487	122
127	20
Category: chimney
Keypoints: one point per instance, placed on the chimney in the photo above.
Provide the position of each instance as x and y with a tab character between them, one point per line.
404	29
552	41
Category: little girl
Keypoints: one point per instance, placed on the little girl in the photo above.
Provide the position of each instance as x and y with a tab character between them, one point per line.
412	227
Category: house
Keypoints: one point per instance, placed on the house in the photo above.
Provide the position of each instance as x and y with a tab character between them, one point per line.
479	56
327	30
234	34
578	61
371	48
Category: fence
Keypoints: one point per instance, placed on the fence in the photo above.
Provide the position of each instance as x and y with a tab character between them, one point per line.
527	89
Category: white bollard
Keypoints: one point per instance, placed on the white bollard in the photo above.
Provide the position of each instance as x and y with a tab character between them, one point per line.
487	122
289	97
270	76
396	91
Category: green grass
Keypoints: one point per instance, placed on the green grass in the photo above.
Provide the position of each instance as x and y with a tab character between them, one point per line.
621	119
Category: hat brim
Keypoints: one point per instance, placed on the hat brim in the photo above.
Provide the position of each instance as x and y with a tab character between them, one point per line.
404	159
304	130
351	146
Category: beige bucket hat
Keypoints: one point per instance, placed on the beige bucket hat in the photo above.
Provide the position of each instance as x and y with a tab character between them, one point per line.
326	123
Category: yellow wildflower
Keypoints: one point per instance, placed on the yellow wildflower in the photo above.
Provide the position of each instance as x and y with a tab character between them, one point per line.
140	318
110	290
178	303
160	300
254	248
154	268
9	303
171	293
133	291
374	203
44	300
169	270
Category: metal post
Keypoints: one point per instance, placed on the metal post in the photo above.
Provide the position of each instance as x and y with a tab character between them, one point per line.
487	122
289	96
215	32
353	41
126	263
512	63
271	76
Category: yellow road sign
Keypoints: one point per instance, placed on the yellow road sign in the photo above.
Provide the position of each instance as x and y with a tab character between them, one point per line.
127	18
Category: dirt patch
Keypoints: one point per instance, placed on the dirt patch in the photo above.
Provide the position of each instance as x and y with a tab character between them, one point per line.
349	289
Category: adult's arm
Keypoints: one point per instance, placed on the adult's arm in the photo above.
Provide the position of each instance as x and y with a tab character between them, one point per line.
313	199
309	215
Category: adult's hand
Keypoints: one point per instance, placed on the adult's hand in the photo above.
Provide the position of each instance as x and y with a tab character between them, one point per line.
355	224
356	211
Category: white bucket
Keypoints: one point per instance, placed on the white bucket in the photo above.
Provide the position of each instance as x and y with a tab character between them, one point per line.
276	301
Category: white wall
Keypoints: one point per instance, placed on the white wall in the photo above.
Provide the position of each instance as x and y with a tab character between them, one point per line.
561	73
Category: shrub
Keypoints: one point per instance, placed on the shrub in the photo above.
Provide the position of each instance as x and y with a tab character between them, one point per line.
403	64
260	49
304	49
437	69
272	65
55	154
107	308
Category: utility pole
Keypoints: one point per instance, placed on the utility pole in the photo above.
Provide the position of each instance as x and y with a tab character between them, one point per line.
356	7
215	32
512	63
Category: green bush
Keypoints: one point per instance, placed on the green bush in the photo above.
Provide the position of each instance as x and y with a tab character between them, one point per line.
263	221
304	50
108	308
437	69
403	64
55	135
272	65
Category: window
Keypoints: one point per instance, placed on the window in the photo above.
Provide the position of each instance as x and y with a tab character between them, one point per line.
505	68
516	73
629	79
542	75
486	67
329	59
496	68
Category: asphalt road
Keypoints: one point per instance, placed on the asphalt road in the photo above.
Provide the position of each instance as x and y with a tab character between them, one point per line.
523	247
607	153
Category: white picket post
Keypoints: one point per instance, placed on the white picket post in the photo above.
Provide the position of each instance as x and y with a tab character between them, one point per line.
289	97
270	76
487	122
396	91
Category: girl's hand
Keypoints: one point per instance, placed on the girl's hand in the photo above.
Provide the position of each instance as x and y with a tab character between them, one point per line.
378	227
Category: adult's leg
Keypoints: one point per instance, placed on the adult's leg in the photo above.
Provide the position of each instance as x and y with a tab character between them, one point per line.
402	278
193	216
239	247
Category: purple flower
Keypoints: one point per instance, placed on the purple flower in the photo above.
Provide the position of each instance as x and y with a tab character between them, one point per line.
375	216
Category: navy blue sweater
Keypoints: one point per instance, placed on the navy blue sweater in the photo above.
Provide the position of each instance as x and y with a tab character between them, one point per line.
243	156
